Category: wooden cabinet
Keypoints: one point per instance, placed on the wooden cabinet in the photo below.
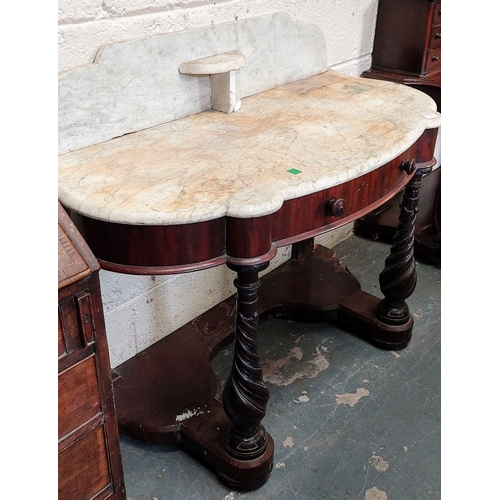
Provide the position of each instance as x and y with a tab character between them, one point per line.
407	50
89	449
408	37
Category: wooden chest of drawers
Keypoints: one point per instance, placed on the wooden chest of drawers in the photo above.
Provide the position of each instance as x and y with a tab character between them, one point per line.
89	450
407	50
408	37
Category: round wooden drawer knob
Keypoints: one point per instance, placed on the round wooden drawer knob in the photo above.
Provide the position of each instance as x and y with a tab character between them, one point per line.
335	207
409	166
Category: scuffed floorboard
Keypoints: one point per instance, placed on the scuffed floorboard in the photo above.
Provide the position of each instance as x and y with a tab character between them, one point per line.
349	421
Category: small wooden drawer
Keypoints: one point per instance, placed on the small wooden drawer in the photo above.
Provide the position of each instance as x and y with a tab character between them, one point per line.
315	212
435	39
436	18
433	62
76	326
78	396
83	467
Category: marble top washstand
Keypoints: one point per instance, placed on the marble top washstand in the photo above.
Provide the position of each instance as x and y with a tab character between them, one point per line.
218	145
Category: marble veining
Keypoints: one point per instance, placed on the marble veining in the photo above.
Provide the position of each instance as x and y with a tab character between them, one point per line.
137	84
283	143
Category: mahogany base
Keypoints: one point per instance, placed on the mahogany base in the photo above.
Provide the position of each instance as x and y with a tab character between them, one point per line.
169	393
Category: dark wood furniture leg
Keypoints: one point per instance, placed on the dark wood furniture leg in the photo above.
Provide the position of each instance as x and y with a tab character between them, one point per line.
399	277
387	322
245	395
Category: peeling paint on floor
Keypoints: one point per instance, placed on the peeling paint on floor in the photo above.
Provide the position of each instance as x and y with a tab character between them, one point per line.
286	370
288	442
230	496
379	463
188	414
351	398
375	494
302	399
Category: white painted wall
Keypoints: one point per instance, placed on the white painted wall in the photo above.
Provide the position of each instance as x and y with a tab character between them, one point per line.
140	310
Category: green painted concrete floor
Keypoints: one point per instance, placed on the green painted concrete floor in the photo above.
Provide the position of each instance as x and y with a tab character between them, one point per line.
349	421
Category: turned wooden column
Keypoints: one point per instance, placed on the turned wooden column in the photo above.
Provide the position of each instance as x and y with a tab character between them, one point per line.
399	277
245	396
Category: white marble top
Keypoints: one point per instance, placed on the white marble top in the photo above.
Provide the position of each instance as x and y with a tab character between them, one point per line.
330	127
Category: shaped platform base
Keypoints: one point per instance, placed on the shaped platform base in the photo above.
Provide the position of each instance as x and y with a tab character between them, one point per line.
169	392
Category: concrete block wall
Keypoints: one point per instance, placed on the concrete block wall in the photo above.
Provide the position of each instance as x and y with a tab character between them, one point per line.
140	310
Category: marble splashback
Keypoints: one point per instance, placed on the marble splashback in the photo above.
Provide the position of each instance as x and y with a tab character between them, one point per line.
135	85
283	143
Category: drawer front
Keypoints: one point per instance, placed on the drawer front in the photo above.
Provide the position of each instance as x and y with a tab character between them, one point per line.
433	62
76	324
436	19
84	468
435	40
69	328
322	209
78	396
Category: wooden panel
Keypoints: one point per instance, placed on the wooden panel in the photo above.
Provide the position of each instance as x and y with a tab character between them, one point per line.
248	237
78	396
61	346
70	261
435	41
152	246
436	18
426	146
70	328
401	35
74	256
301	215
433	62
85	317
83	467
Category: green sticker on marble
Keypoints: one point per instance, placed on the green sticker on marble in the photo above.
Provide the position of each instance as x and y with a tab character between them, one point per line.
294	171
356	89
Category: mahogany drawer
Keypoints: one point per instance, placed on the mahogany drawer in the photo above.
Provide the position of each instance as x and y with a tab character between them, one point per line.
76	324
78	396
81	479
315	212
435	38
433	61
436	18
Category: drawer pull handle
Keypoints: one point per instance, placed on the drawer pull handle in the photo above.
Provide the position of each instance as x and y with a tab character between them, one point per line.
409	166
437	35
335	207
435	58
